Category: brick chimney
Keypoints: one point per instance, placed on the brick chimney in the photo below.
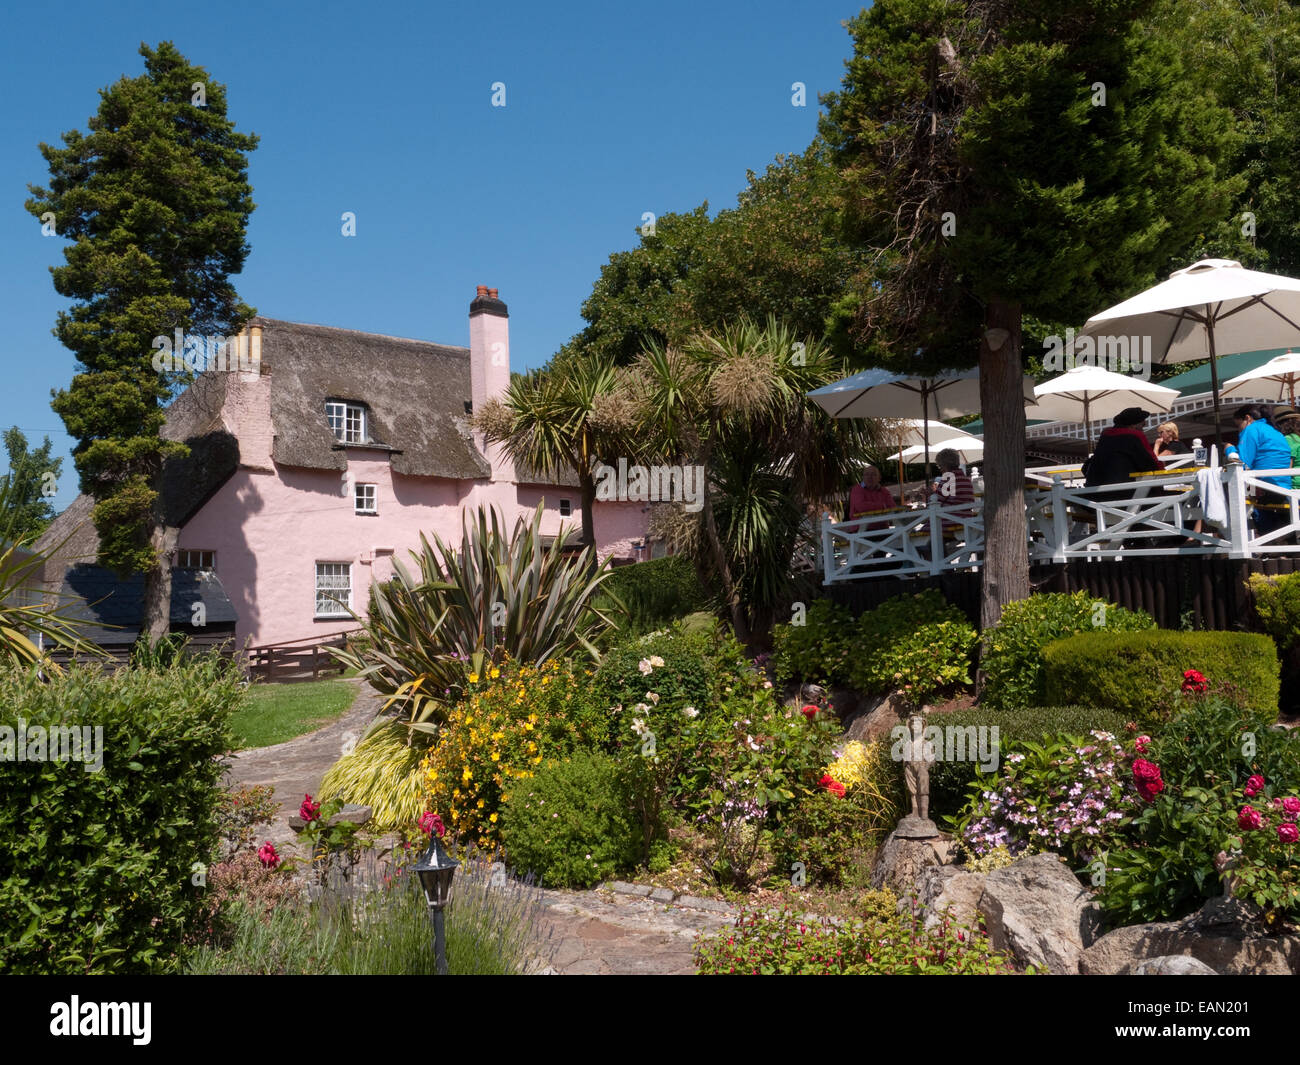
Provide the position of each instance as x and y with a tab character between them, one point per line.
489	359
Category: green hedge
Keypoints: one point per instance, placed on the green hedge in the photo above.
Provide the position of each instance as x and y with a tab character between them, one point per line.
919	644
97	867
950	781
658	591
1141	673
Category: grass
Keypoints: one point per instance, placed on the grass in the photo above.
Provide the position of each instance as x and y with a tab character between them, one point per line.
274	713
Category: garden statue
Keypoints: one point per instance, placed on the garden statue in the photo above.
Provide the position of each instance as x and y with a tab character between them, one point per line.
916	773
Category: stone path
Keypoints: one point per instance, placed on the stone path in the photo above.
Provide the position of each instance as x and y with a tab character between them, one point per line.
616	929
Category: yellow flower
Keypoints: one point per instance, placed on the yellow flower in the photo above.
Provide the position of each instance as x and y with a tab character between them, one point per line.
473	678
480	804
496	756
493	819
495	673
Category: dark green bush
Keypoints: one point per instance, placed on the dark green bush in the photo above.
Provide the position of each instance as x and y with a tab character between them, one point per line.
571	824
1140	674
917	644
685	674
951	781
96	867
1012	662
1277	605
658	591
816	651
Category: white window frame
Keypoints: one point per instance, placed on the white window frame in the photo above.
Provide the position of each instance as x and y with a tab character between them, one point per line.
347	421
361	491
328	608
186	556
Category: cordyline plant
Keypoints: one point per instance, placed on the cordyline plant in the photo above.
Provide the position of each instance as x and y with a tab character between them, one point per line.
469	608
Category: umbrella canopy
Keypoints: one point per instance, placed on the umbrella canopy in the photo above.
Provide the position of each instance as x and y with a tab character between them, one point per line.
914	431
1091	392
1275	379
1212	307
971	448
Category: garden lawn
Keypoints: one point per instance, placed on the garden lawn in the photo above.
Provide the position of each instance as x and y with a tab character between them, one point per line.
274	713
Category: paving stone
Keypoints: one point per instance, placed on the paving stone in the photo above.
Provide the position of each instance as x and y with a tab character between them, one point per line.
712	905
662	894
624	888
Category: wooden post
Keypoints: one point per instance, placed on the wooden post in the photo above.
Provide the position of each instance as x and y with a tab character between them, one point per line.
1060	520
1238	531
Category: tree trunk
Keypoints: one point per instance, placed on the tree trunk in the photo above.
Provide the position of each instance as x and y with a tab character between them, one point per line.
587	485
158	585
1006	549
738	619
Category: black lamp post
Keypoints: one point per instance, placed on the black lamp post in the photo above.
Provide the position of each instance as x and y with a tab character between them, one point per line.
436	868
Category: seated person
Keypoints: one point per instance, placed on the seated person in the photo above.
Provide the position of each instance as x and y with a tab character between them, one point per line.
869	495
1287	420
1167	444
1121	450
1261	447
952	487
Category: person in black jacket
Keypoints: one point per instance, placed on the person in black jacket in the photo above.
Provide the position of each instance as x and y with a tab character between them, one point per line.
1121	450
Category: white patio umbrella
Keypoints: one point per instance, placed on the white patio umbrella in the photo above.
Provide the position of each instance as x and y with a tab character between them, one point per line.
1213	307
971	448
1094	393
1277	377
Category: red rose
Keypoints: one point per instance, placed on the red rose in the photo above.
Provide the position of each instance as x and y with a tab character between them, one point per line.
1288	833
832	785
309	811
809	712
1254	786
1249	818
267	856
1194	681
1291	804
431	822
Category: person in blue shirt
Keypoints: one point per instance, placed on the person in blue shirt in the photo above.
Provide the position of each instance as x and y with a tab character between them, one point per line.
1261	447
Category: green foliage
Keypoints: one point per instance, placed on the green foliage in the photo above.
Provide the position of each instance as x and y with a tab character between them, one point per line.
494	597
571	825
23	486
657	591
917	644
780	943
382	772
1012	659
684	679
816	651
490	932
125	839
1277	604
1140	673
152	250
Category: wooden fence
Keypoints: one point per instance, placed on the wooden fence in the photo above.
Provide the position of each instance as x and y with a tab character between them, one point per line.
1203	591
305	659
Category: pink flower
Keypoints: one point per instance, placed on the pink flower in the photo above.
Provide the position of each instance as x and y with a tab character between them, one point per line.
1254	786
1142	743
1249	818
1291	804
1288	833
1146	775
431	822
309	811
267	856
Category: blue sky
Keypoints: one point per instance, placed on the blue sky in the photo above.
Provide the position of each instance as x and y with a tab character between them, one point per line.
386	110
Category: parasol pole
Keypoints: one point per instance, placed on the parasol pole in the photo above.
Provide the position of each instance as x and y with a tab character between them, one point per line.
1214	378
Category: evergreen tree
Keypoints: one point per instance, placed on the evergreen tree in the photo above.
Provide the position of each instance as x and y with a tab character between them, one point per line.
26	489
156	200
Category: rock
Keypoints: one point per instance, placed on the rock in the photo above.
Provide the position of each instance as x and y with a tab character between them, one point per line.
662	894
1226	934
901	861
1037	911
911	827
947	890
1173	965
351	813
624	888
697	903
875	718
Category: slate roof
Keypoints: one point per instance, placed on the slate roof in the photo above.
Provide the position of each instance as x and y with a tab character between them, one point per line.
97	597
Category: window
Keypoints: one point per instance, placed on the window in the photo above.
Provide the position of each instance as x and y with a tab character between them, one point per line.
365	500
333	589
190	559
347	421
566	507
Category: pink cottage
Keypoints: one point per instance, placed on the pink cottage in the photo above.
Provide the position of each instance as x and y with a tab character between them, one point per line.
310	471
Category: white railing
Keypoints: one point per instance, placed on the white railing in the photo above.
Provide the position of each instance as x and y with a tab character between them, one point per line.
1157	514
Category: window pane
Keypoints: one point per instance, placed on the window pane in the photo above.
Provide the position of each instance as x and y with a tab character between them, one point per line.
333	583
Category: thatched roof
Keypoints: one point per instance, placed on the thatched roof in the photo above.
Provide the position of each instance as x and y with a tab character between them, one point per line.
414	391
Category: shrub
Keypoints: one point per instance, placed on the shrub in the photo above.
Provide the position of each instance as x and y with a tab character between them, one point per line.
780	943
950	781
917	644
684	678
514	718
382	772
96	868
571	825
1277	605
1012	662
816	651
1140	673
657	591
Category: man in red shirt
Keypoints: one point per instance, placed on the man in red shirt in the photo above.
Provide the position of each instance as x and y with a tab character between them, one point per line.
869	495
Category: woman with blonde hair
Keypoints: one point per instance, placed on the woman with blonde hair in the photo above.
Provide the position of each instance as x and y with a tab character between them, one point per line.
1167	443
